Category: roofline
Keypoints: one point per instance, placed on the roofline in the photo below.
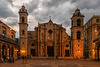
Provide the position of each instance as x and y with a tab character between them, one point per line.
92	18
7	26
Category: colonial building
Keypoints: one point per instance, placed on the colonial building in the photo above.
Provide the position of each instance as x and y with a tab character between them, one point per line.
90	34
8	47
97	44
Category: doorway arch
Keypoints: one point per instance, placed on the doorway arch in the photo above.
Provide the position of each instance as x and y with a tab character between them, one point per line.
98	52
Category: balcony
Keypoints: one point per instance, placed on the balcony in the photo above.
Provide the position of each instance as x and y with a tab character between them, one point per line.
8	40
96	40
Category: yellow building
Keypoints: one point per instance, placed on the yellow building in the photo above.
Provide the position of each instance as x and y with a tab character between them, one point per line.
8	47
90	34
97	43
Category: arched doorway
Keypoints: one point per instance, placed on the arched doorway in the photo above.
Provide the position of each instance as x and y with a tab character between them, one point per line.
50	48
4	52
50	51
12	51
98	52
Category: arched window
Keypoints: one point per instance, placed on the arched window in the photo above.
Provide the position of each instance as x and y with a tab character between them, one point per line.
23	19
78	13
78	35
67	45
12	52
23	32
78	22
32	44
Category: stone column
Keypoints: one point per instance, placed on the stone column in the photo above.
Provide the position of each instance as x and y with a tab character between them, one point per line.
15	52
55	51
63	50
55	42
7	51
46	51
60	43
98	53
38	40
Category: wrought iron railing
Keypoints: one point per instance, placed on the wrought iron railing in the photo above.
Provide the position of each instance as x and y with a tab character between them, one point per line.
7	39
96	40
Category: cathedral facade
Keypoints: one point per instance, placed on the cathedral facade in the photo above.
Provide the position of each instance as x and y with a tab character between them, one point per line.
50	39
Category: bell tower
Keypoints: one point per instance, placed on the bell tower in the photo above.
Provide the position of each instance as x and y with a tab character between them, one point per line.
23	30
77	34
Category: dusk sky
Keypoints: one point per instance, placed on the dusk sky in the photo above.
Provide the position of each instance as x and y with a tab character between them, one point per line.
60	11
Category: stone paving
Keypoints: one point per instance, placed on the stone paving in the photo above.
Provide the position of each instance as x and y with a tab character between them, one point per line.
52	63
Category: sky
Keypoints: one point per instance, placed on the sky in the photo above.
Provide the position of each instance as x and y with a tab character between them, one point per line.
60	11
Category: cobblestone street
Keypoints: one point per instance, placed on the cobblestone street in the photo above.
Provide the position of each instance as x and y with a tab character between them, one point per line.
53	63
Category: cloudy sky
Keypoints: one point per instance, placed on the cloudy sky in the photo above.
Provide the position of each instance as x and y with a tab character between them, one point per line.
39	11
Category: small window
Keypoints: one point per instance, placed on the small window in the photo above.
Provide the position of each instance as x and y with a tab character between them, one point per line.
78	49
78	13
67	45
78	45
23	32
50	31
98	27
4	33
78	35
97	20
12	37
32	44
78	22
23	19
29	34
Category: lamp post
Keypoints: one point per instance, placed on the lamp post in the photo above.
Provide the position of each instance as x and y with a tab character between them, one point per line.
23	52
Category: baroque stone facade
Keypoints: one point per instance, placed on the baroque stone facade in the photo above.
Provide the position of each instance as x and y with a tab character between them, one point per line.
50	39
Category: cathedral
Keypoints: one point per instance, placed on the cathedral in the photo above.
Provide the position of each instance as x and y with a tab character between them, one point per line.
50	40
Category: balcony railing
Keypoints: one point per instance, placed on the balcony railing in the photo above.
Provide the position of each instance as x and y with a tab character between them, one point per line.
6	39
96	40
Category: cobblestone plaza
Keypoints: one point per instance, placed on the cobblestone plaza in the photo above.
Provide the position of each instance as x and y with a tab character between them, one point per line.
52	63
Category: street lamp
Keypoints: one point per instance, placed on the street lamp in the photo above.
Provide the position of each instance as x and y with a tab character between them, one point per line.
22	51
79	51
